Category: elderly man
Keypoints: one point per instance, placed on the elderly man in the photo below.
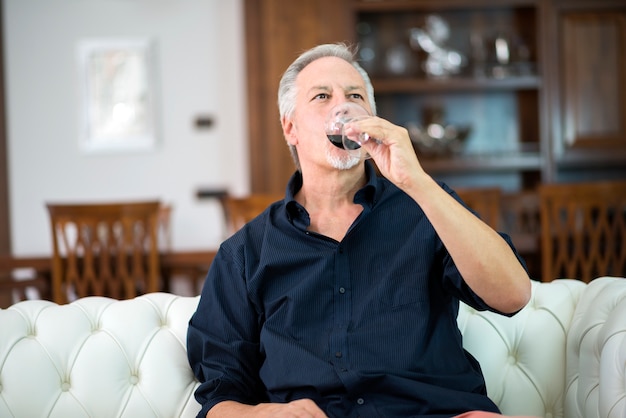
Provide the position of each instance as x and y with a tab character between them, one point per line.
341	300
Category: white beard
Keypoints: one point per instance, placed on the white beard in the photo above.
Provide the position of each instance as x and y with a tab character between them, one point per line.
341	162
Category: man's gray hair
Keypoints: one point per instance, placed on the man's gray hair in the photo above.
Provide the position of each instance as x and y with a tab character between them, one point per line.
287	91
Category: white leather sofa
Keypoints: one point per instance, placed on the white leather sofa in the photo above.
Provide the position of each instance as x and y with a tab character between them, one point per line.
564	355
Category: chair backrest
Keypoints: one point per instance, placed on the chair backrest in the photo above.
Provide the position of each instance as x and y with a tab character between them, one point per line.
520	218
164	227
521	221
583	230
240	210
107	249
486	201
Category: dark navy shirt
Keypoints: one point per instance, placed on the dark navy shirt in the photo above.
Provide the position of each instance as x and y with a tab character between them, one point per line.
365	327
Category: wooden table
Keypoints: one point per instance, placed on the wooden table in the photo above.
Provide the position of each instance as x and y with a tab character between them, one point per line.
37	272
192	265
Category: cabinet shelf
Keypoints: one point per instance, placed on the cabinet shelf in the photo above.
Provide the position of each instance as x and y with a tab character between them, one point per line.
454	84
521	161
385	6
494	88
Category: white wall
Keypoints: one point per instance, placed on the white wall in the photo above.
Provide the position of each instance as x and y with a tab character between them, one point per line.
200	71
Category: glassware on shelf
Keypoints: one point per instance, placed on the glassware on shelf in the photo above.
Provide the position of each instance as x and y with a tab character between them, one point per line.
501	54
441	60
435	137
398	60
368	46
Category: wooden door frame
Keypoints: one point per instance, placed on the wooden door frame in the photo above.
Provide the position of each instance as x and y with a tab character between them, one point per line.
276	32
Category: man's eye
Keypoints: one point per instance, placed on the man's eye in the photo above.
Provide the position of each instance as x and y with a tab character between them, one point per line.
356	96
322	96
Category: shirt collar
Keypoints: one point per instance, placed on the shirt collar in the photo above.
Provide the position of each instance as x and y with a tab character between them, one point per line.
367	196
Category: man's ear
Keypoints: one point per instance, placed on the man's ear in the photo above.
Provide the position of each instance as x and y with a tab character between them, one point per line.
289	130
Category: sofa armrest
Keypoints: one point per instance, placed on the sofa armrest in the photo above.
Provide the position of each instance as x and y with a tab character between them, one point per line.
596	352
523	357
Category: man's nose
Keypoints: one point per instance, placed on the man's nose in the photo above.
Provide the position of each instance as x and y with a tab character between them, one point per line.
336	105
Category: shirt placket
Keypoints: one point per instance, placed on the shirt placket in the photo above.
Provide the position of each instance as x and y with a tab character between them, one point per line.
339	347
341	308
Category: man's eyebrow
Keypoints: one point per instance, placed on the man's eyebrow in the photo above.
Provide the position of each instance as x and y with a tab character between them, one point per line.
351	89
346	90
319	88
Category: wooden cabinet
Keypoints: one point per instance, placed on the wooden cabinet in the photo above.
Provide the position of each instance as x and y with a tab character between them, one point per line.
588	89
542	85
460	65
497	99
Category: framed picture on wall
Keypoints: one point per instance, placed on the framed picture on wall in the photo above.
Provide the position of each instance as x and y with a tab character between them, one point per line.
117	88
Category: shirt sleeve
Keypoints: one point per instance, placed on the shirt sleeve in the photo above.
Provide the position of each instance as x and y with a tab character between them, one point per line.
464	292
223	338
459	287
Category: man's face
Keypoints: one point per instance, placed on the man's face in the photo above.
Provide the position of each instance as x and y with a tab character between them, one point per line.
322	85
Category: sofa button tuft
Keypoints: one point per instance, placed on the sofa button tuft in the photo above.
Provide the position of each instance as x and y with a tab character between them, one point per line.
65	386
134	379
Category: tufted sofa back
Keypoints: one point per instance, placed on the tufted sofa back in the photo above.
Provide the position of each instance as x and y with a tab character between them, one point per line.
98	357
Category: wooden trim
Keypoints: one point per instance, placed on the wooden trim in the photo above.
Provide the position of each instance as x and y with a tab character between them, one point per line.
5	231
180	259
43	263
254	70
276	32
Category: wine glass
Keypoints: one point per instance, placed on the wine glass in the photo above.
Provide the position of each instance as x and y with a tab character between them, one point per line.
338	117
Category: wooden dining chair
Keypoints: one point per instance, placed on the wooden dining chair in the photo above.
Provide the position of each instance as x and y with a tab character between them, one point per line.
104	249
583	230
486	201
239	210
521	221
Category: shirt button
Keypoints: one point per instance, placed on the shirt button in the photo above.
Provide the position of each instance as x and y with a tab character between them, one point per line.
360	401
342	290
338	354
